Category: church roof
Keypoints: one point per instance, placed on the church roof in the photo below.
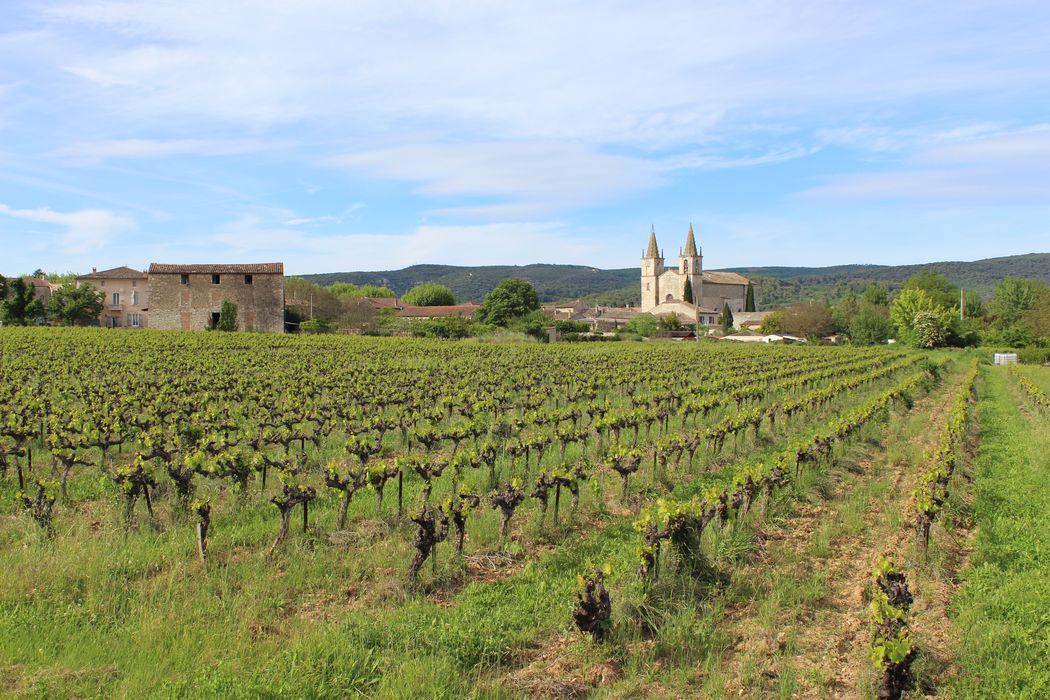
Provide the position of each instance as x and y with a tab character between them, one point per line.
690	243
652	251
724	278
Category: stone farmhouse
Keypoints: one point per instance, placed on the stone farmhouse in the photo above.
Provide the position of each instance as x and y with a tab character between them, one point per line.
189	297
126	296
665	290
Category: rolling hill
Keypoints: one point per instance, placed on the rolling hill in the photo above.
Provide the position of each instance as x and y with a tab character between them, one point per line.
775	285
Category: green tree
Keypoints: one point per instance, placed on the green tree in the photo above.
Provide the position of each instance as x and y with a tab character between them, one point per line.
21	307
687	294
908	303
749	299
670	322
227	317
1013	297
345	290
726	320
974	305
906	309
511	298
876	295
349	290
929	329
871	325
453	327
937	287
773	323
845	310
374	291
1038	317
808	319
429	294
645	325
74	305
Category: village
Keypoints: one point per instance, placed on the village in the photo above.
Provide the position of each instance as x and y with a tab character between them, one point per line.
191	297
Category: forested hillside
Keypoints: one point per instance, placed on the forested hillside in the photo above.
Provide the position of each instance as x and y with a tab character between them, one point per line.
776	285
552	282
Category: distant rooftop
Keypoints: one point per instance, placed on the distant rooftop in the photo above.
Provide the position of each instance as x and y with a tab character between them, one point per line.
249	269
117	273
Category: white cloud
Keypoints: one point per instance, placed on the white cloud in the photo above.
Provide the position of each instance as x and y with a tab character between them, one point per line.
543	175
1002	168
629	74
86	231
254	237
96	151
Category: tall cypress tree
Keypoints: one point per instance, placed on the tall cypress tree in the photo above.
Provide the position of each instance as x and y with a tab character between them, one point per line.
687	295
727	318
749	302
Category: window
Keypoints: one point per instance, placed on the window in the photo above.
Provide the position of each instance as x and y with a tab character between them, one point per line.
114	322
214	319
102	283
184	279
248	279
214	279
116	298
134	298
135	320
134	283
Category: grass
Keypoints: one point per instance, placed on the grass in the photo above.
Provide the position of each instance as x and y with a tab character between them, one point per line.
97	613
1002	609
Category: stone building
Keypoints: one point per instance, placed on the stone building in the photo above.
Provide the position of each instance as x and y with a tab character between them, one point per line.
125	295
687	289
189	297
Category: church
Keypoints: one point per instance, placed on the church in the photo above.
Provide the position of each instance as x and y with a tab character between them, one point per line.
687	290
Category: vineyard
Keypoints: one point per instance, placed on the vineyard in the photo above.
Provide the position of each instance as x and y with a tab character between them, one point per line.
242	515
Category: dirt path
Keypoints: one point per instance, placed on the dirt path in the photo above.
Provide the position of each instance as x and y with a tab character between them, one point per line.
806	634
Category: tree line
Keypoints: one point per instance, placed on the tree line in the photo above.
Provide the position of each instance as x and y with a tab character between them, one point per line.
68	304
929	311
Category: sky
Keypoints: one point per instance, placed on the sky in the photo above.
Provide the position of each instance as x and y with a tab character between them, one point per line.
336	135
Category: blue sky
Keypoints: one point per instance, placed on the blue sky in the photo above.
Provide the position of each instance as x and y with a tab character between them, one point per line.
337	135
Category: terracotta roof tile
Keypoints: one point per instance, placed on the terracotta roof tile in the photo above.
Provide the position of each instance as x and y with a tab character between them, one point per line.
121	273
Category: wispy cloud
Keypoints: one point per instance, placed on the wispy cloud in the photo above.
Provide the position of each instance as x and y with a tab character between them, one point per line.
553	122
255	237
1004	168
85	231
625	75
90	152
539	177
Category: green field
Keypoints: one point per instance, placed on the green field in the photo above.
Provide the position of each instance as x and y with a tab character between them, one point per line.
813	454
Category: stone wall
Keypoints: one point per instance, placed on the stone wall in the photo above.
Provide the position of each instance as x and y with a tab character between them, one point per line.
713	295
190	307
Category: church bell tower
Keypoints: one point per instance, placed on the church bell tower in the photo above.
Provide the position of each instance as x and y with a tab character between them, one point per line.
690	269
652	268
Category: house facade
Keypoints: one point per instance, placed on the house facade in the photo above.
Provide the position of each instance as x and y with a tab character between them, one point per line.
125	296
189	297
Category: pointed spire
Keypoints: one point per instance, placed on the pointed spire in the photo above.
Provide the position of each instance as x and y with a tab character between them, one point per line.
652	251
690	243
